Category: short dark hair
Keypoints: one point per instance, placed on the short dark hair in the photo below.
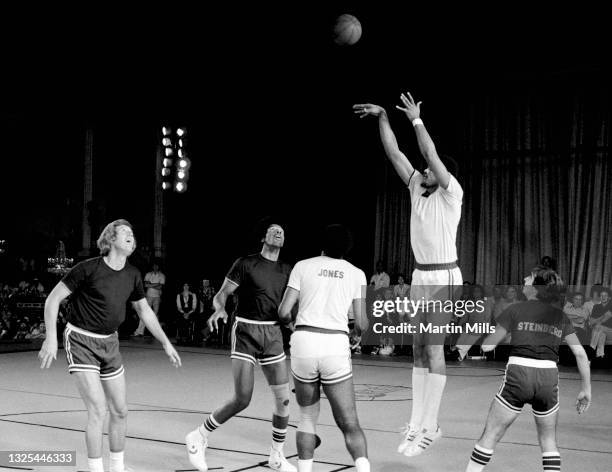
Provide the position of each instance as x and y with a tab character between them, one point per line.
549	285
337	241
261	227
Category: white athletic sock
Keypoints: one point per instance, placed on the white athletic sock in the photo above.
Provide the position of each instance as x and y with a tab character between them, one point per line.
116	462
419	379
362	464
433	393
479	459
95	465
305	465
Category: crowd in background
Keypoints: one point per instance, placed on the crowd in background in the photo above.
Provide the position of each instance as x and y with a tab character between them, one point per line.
590	313
183	311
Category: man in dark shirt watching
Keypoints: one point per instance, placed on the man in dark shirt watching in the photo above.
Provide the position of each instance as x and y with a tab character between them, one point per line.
259	280
100	288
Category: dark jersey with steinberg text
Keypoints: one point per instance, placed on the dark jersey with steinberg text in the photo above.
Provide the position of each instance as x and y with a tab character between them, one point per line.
100	294
261	284
537	329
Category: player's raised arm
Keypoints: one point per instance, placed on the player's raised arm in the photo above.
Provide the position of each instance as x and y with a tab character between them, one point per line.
48	351
400	162
426	144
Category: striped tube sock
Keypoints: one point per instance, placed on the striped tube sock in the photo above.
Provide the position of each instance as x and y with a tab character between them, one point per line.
551	461
479	459
208	426
278	438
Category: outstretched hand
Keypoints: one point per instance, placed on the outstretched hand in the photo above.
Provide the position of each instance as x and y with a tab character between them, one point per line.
411	109
365	109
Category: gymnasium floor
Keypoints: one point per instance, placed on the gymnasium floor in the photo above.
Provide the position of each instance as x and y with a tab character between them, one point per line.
41	410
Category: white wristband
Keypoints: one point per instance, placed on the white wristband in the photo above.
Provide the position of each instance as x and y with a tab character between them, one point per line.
417	121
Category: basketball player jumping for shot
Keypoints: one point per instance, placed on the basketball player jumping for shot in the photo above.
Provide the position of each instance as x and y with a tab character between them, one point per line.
100	288
326	287
537	328
259	281
436	199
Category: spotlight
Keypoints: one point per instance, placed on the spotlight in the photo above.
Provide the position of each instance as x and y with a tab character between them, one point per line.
180	187
167	142
166	172
167	162
184	163
165	185
181	132
180	143
182	153
169	151
166	131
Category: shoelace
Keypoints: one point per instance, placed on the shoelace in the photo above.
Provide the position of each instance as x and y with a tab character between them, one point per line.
409	432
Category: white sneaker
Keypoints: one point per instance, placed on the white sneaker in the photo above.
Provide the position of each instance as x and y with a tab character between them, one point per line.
422	442
196	446
410	432
278	462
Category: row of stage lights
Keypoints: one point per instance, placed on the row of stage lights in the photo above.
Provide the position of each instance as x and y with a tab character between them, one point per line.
175	164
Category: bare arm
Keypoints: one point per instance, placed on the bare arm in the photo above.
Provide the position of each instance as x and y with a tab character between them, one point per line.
48	351
426	144
582	361
150	320
360	313
400	162
285	309
494	339
219	301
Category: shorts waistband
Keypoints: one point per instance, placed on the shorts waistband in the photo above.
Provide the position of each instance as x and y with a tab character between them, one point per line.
246	320
84	332
316	329
442	266
527	362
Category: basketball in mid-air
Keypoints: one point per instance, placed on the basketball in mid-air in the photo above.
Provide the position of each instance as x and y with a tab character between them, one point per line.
347	30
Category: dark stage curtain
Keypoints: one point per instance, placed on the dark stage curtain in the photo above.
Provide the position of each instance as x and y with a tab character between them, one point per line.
537	175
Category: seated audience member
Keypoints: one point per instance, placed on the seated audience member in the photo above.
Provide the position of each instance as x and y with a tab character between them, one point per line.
380	279
601	323
186	304
595	300
22	331
509	297
578	313
37	331
402	289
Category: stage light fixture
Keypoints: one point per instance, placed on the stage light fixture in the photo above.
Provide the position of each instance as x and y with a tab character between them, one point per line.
181	132
166	130
180	187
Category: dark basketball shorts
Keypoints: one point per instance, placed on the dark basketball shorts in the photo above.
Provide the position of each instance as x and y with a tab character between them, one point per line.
91	352
257	342
530	381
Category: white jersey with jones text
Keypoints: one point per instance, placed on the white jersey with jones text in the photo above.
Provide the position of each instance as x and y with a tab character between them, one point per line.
327	288
434	220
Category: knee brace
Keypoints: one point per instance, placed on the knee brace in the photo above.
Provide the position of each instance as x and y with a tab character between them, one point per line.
281	399
309	415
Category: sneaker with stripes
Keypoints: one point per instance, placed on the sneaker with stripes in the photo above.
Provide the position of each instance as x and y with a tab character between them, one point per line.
422	442
410	432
